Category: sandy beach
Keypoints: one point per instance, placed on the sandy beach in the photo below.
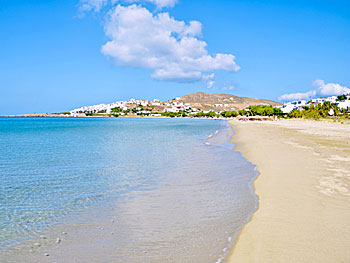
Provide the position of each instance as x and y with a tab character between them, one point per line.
303	189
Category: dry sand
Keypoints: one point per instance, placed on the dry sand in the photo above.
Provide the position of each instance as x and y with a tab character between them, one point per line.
304	192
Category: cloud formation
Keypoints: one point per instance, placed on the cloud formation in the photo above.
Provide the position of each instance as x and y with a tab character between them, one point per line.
161	3
171	48
92	5
323	89
97	5
159	42
330	88
298	96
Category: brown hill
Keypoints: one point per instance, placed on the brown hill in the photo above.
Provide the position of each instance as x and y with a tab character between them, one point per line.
204	101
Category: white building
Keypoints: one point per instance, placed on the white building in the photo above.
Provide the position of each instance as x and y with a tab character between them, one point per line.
178	104
344	104
332	99
293	105
173	109
132	101
318	100
100	107
287	108
143	103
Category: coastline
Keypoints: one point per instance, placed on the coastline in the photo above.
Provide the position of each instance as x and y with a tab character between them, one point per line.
113	225
104	116
303	191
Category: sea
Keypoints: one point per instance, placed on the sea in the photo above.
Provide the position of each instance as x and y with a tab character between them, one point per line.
121	190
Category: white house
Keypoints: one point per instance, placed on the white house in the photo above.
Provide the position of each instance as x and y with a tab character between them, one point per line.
290	106
287	108
132	101
332	99
173	109
144	103
344	104
178	104
318	100
299	103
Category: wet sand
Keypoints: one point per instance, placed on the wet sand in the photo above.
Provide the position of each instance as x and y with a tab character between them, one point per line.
304	192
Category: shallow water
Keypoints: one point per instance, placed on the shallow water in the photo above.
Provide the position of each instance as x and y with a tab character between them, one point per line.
150	190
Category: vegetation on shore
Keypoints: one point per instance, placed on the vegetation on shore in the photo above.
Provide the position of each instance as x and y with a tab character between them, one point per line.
314	111
320	111
325	110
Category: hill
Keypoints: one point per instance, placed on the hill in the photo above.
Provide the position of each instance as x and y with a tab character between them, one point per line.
205	101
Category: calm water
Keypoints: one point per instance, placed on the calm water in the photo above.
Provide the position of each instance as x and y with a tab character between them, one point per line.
178	191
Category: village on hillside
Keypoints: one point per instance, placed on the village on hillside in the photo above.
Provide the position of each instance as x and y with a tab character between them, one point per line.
136	107
200	103
217	105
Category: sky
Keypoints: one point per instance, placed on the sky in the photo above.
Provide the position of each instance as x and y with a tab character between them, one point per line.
57	55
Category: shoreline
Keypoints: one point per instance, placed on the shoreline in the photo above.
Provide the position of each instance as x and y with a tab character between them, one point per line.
303	190
71	238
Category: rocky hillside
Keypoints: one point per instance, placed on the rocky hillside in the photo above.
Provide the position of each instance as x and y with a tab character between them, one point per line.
204	101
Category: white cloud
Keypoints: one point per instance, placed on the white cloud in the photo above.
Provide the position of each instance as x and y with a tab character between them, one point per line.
317	82
330	88
210	84
96	5
92	5
324	89
297	96
207	77
170	47
176	74
162	3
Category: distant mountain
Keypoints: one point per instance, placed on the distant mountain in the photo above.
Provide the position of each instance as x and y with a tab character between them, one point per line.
204	101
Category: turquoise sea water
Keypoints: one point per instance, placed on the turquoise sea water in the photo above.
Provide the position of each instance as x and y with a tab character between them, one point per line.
176	184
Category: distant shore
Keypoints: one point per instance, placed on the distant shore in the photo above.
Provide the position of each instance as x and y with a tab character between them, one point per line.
38	115
44	115
303	189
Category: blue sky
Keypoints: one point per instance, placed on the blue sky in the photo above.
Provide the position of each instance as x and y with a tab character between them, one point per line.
55	56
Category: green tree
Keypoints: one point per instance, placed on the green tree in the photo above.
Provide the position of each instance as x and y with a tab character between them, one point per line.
268	111
242	112
341	97
277	112
116	110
